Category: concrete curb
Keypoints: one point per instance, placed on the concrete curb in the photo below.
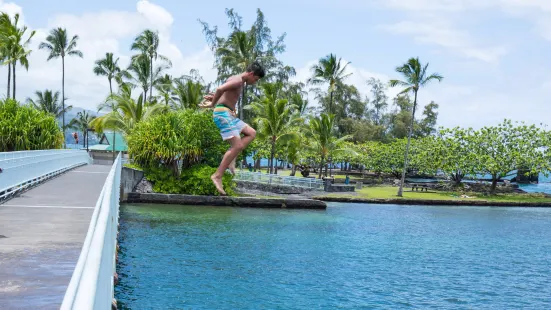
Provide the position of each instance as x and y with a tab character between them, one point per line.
475	203
244	202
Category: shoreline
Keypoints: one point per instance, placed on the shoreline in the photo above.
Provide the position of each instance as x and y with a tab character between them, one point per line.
416	202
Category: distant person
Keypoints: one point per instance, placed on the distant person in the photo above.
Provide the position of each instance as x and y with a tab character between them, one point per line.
224	101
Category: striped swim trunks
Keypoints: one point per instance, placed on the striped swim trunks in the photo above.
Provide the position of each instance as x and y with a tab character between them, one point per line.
229	125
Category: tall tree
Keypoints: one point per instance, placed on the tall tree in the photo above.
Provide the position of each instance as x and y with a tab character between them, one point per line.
13	46
82	123
48	102
242	47
428	123
323	138
109	68
329	70
188	93
379	100
148	44
415	76
275	118
165	88
59	45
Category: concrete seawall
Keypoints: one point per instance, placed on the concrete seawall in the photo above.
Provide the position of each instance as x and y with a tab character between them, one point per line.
245	202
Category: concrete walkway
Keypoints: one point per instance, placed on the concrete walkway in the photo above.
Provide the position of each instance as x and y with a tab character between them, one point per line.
41	236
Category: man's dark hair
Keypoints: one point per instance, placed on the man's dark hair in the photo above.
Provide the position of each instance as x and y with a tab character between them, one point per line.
257	69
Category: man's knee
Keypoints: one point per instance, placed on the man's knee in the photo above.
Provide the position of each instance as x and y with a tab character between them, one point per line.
238	145
250	132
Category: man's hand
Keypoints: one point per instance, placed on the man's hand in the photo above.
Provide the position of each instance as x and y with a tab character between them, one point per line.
207	103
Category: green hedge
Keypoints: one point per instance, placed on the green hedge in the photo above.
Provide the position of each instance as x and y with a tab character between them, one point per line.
192	181
190	136
23	127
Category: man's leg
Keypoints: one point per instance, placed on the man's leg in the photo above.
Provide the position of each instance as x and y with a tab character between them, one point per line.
231	154
248	136
237	145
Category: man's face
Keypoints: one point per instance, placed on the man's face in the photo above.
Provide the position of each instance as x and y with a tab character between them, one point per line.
252	79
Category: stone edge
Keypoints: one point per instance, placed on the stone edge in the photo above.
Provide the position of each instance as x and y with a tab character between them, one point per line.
474	203
244	202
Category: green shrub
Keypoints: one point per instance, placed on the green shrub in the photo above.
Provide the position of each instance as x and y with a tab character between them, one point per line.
23	127
192	181
190	136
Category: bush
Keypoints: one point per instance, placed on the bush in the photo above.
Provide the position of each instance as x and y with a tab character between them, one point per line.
188	136
23	127
192	181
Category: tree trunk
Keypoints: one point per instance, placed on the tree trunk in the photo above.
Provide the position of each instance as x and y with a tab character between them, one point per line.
272	155
144	95
321	167
151	80
9	78
331	103
63	97
494	184
294	170
243	99
114	131
13	68
257	165
400	190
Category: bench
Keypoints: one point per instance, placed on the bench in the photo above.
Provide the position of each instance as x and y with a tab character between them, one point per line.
416	187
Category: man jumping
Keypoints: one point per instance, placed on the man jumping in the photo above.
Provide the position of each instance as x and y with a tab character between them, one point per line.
224	101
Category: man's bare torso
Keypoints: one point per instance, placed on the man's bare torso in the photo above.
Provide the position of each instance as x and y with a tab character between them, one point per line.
230	97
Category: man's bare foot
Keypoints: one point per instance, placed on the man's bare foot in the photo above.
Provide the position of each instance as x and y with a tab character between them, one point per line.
218	183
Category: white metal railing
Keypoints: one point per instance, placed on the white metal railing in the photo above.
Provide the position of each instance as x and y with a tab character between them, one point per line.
27	168
278	179
92	283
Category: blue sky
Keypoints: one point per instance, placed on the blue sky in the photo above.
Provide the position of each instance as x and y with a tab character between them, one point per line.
494	54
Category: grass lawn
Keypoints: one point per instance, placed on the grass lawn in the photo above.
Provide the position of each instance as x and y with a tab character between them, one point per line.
389	192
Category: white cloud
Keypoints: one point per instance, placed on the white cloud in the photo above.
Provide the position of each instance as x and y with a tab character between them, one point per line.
101	32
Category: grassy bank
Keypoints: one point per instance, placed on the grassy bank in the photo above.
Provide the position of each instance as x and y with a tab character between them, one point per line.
389	192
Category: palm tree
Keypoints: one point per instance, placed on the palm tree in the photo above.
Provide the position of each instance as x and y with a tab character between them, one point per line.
48	102
165	88
415	76
13	46
324	139
59	45
275	117
108	67
148	43
127	113
236	54
82	123
187	93
329	70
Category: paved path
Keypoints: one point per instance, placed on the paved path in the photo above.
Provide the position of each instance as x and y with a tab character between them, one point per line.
41	236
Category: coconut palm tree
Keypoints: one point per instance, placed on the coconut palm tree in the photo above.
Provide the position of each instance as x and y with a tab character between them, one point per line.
275	117
13	46
188	94
108	67
165	88
415	76
59	45
82	123
48	102
236	54
329	70
324	140
126	114
148	44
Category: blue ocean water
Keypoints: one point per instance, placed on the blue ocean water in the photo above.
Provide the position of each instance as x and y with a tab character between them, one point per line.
351	256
